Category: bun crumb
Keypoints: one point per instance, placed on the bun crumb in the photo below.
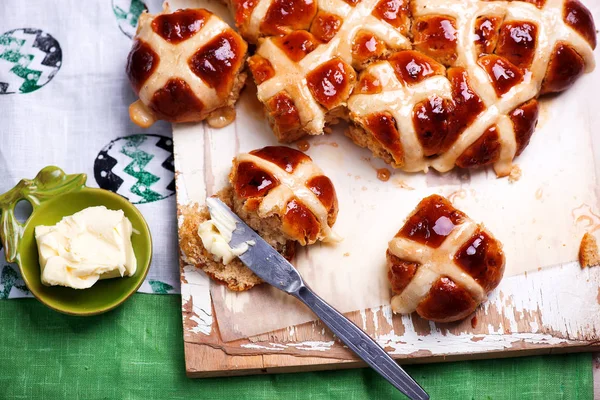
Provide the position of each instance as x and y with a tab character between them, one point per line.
588	251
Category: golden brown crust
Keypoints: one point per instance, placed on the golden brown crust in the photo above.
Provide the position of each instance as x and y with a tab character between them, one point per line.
261	68
412	67
564	68
296	45
588	251
284	117
524	119
446	302
325	26
484	151
400	272
367	140
487	30
141	63
580	18
367	47
482	258
331	83
421	225
395	13
180	25
436	36
517	42
176	102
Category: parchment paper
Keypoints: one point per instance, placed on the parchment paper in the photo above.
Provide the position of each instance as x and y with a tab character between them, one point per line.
539	218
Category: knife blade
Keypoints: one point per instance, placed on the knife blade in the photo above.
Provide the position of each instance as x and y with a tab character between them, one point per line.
274	269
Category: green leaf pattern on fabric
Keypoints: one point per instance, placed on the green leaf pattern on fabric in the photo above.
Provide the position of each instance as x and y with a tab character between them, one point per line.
13	54
9	279
136	168
159	287
136	8
128	13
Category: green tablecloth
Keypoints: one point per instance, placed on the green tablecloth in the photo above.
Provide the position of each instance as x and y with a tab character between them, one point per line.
136	352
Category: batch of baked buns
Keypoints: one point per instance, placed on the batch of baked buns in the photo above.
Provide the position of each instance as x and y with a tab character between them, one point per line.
421	83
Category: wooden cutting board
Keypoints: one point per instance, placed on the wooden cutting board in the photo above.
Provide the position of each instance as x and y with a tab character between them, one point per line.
546	312
554	310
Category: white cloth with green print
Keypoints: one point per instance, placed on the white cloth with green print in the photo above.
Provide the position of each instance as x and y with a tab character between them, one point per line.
64	100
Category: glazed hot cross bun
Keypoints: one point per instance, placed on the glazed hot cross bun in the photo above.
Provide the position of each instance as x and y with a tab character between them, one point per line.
466	95
441	264
186	66
281	190
281	194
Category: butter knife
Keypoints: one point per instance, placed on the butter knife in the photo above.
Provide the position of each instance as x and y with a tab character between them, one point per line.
272	268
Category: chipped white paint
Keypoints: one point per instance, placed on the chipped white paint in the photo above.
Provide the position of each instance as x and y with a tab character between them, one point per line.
259	347
566	309
517	295
363	316
197	291
312	345
388	314
182	196
376	318
307	346
279	345
439	344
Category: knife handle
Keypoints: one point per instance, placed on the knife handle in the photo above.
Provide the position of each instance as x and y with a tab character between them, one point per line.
361	343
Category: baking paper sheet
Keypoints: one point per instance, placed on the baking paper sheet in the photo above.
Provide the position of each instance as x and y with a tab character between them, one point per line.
539	218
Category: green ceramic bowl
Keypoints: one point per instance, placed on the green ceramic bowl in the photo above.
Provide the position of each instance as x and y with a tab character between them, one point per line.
54	195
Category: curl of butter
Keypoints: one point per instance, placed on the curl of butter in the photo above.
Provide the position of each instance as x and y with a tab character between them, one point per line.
92	244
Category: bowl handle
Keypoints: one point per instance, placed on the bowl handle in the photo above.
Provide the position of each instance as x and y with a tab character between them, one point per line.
48	183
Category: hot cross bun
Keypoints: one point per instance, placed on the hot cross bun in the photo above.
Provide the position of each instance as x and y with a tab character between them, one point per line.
281	194
441	264
186	67
424	83
281	191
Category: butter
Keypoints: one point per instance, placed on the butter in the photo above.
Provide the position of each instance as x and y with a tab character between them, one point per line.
92	244
216	234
